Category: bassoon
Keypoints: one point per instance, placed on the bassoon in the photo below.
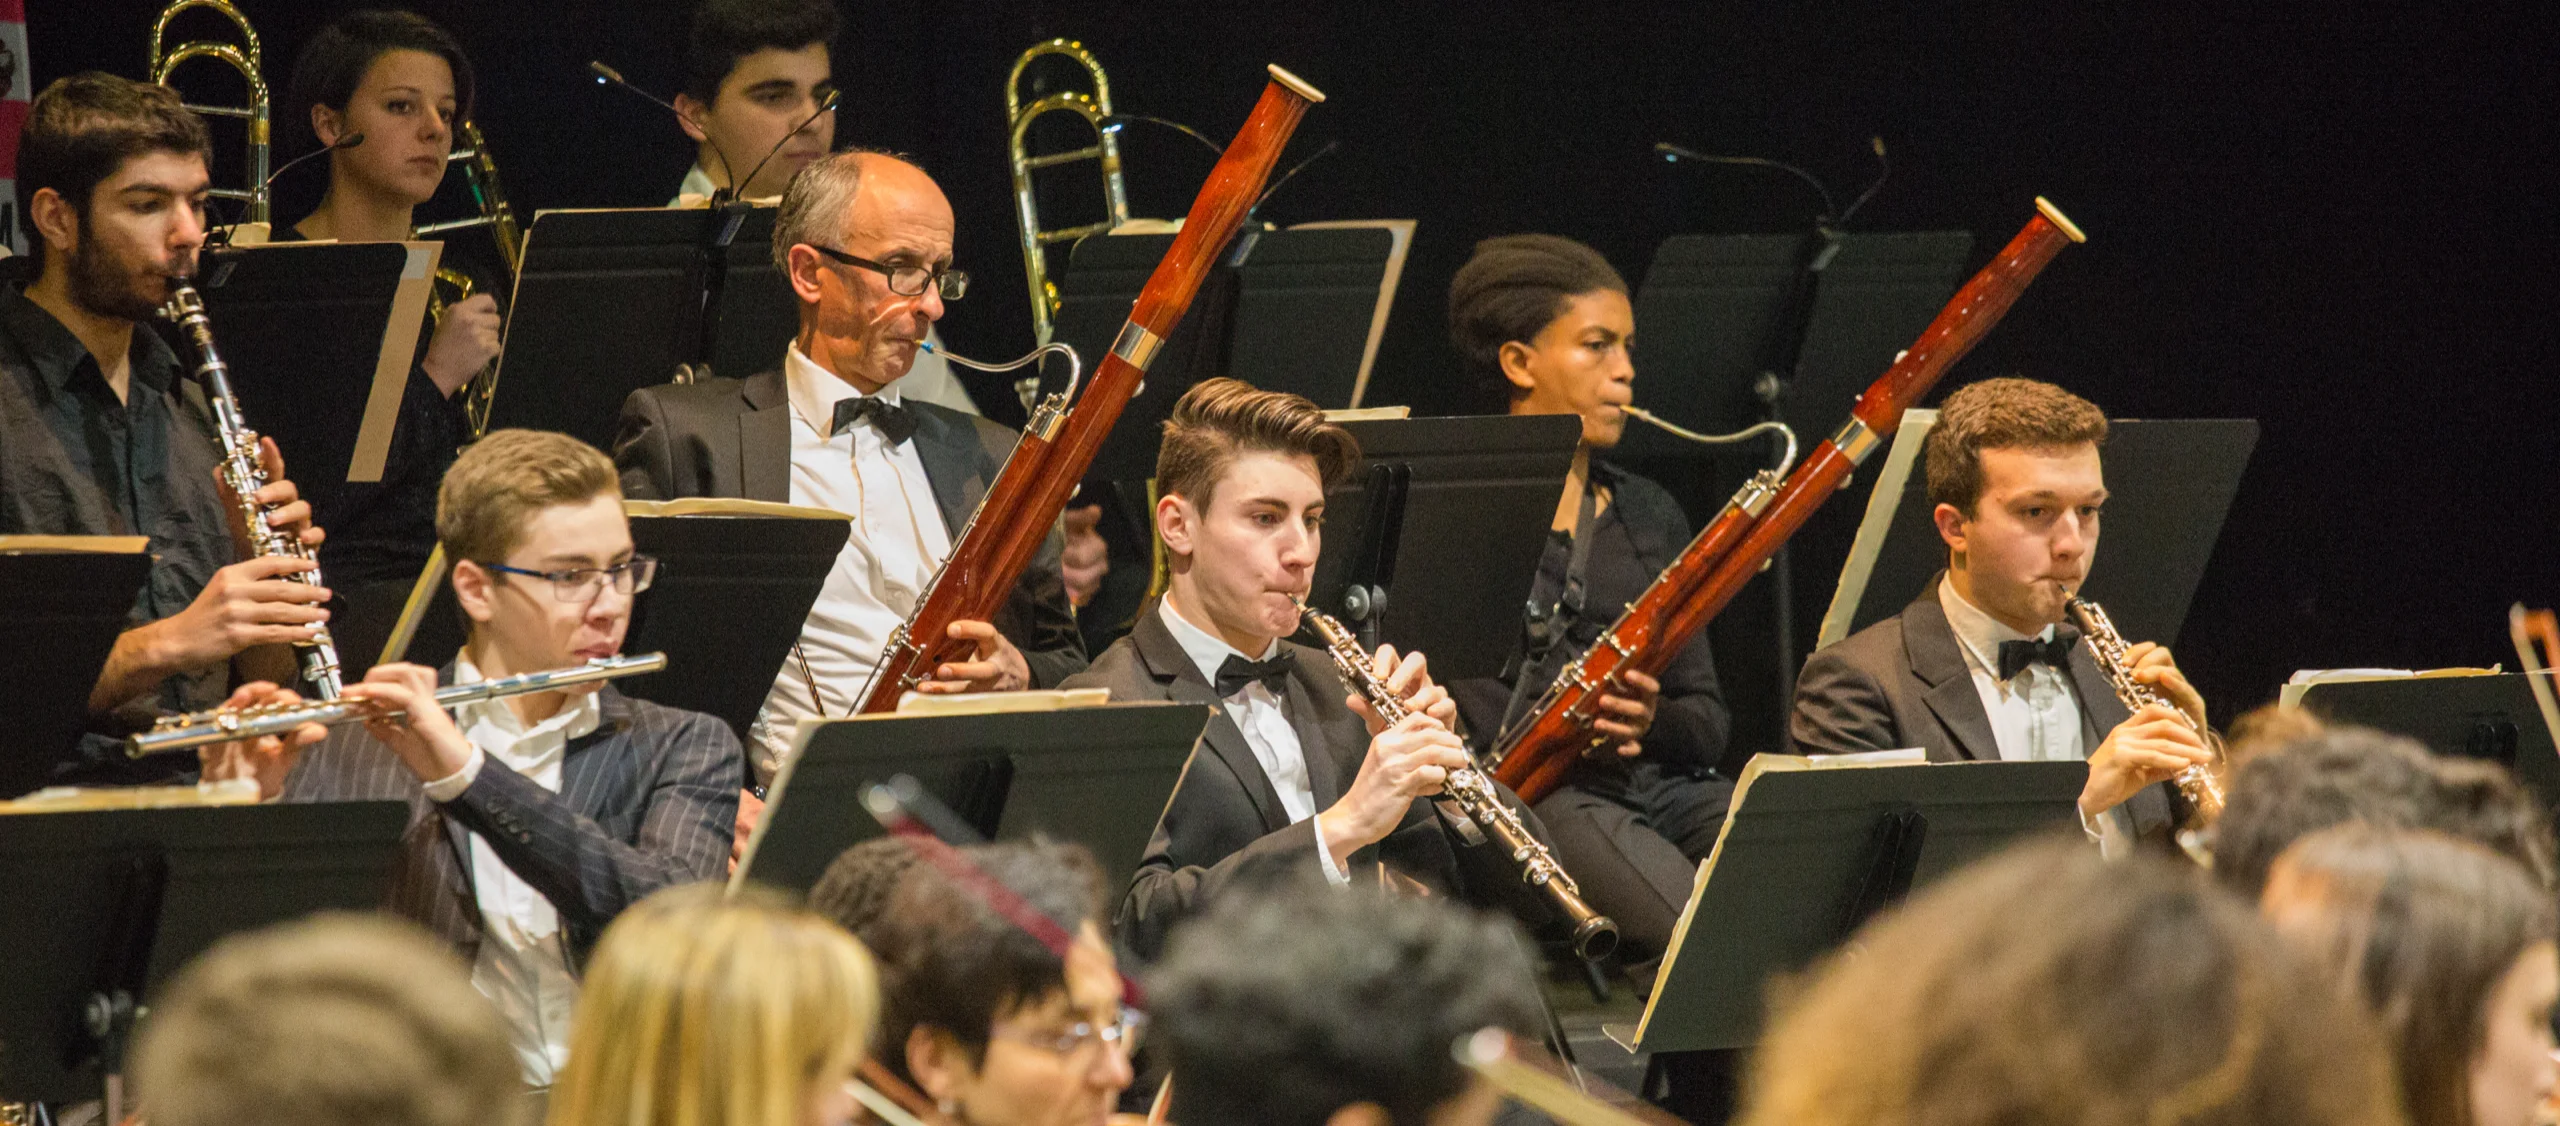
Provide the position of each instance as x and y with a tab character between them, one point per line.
1534	755
1058	444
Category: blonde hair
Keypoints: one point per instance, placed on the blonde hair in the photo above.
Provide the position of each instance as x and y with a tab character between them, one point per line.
497	485
703	1009
327	1020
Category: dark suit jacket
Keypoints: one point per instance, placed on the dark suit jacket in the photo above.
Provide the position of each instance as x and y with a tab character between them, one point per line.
647	800
732	438
1225	823
1902	682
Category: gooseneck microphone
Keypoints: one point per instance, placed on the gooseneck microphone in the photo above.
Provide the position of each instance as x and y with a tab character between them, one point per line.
825	105
1832	215
1113	123
342	144
606	75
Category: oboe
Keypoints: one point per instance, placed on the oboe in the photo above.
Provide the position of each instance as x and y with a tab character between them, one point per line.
242	473
1594	935
2198	784
221	725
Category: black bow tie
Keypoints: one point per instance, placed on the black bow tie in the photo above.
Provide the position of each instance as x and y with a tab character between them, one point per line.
1236	672
2015	656
896	423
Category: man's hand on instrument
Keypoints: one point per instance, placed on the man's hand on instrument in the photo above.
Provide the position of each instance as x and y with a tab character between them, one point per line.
406	719
1409	677
287	512
247	604
2153	665
464	342
267	758
1626	713
750	811
1087	558
1410	760
2151	747
996	667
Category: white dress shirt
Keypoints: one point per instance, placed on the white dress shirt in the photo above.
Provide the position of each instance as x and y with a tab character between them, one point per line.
523	965
1263	716
897	543
2035	715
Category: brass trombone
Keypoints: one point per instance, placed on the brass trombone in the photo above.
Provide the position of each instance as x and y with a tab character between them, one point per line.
480	174
1105	149
243	57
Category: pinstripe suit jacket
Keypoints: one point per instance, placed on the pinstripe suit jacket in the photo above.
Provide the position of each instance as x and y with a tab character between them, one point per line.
646	800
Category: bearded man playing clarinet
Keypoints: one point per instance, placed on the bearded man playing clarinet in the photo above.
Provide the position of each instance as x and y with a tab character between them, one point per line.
1981	665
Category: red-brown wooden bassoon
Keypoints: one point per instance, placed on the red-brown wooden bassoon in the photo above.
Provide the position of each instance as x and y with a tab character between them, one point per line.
1058	444
1536	754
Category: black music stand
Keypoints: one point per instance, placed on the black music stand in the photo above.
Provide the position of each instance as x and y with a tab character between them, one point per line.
1433	546
2492	718
610	301
2169	486
1291	310
320	346
1808	854
60	612
1098	776
101	908
731	595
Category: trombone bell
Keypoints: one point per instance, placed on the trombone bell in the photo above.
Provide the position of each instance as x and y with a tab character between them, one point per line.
243	57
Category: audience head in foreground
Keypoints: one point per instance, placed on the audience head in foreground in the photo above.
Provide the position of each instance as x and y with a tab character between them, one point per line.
706	1008
2449	944
1322	1006
2049	986
981	1016
337	1020
2333	775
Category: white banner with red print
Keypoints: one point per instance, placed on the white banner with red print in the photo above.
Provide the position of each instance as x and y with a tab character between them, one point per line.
13	113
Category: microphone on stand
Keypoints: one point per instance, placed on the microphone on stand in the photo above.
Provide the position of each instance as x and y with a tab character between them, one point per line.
1832	215
825	105
606	75
342	144
1112	123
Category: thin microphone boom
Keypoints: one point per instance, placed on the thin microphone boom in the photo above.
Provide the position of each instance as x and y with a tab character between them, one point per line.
607	75
825	105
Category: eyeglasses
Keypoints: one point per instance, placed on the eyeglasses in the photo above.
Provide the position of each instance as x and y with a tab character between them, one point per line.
631	576
906	281
1073	1040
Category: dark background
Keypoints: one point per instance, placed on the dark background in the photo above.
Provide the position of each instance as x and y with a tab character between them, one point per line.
2335	218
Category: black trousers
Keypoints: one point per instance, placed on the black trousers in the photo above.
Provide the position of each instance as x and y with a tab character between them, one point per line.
1632	835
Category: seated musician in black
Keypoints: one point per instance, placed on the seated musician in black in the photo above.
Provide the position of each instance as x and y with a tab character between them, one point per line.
1980	666
1292	772
403	83
105	431
1545	322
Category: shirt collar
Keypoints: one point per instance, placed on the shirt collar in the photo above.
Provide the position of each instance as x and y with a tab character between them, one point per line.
580	718
815	391
1976	630
1206	650
697	184
56	354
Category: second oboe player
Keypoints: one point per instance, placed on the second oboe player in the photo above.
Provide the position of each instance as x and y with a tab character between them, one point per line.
1293	772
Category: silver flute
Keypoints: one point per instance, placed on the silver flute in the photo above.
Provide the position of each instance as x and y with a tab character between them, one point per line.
2198	784
244	476
221	725
1476	799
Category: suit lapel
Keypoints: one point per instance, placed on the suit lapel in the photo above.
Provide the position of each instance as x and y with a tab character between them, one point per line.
949	448
2100	711
1182	683
1325	768
1937	660
764	439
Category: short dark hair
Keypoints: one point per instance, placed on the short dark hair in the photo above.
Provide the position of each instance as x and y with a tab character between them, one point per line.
2001	414
2346	773
949	961
725	31
1283	1006
1218	419
1511	289
84	127
332	65
856	889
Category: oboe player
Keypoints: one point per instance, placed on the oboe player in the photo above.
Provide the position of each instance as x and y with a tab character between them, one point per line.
536	818
1980	665
1292	772
102	430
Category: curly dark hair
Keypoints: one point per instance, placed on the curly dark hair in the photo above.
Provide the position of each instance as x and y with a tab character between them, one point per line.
1283	1006
1511	288
1998	414
949	961
2288	791
83	128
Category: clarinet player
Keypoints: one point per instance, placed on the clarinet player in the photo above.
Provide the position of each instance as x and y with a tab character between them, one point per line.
1981	665
102	433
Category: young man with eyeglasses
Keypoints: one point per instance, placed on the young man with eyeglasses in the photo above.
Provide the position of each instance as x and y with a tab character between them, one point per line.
535	819
865	239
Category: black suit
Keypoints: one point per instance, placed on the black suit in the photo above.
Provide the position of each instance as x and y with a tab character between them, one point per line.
1225	822
732	438
646	800
1903	682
